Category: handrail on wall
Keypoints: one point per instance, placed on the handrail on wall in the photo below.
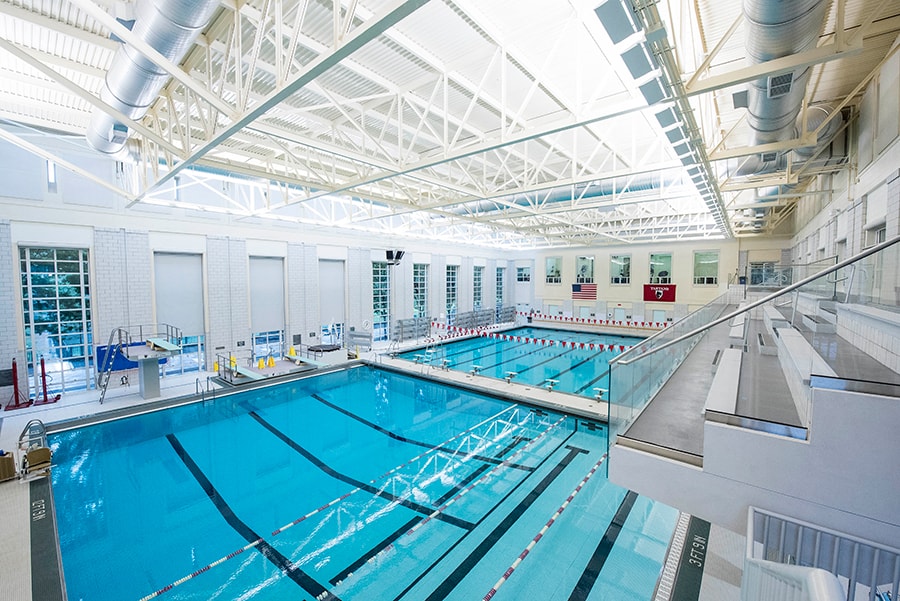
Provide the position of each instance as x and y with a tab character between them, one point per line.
624	360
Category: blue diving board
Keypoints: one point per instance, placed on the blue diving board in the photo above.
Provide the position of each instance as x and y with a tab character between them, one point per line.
163	344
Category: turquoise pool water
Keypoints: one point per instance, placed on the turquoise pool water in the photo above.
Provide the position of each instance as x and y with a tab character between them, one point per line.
361	484
574	368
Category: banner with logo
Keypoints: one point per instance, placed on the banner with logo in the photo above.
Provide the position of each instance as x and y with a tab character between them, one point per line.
659	293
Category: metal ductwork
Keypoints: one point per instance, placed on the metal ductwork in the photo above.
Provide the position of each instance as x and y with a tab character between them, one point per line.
777	28
133	82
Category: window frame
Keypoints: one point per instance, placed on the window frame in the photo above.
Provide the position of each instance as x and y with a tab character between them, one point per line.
659	260
703	280
622	279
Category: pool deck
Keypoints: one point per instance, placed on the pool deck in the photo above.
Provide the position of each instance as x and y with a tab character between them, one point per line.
16	496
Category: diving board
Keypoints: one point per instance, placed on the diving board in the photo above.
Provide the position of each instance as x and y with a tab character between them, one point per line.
247	373
162	344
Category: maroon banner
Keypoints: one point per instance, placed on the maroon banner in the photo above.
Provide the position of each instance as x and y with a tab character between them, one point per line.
661	293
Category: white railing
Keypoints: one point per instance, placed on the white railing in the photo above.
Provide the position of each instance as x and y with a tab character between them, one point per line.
770	581
864	570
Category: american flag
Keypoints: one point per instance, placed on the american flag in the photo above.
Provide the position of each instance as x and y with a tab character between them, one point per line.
584	291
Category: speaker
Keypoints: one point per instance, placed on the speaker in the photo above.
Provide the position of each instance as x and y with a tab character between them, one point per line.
394	256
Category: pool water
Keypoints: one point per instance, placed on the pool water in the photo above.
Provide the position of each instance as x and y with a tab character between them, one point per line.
362	484
573	368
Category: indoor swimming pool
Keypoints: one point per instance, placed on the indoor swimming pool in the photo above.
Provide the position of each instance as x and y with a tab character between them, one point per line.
359	484
573	362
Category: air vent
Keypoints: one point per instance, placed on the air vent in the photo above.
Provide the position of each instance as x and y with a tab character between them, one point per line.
768	157
779	85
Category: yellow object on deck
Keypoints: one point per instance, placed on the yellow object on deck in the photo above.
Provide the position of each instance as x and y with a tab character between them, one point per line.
215	366
292	352
260	364
233	360
271	361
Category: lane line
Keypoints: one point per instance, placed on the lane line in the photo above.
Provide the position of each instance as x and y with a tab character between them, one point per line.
477	554
515	564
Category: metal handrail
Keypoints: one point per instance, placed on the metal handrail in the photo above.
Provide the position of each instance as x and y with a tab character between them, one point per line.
757	303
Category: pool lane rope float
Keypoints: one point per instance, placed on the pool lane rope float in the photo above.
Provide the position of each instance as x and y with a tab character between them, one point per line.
455	332
512	568
463	492
253	544
625	323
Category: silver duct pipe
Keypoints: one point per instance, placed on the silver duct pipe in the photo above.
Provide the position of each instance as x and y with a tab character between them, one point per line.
777	28
133	82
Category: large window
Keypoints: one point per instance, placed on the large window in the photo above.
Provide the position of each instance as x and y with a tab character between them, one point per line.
501	273
56	303
706	267
523	274
553	270
420	290
661	268
452	282
478	287
620	269
584	270
762	273
381	300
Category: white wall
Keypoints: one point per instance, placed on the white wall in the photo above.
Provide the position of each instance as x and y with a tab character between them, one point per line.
843	477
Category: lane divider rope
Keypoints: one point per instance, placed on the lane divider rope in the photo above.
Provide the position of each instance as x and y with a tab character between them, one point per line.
512	568
233	554
464	491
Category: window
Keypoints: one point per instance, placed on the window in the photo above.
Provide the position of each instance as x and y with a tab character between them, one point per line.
661	268
420	290
51	177
381	300
553	270
266	344
477	287
584	270
501	273
763	274
56	303
523	274
706	268
620	269
452	280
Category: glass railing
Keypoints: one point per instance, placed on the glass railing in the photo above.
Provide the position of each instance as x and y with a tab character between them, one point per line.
632	385
869	281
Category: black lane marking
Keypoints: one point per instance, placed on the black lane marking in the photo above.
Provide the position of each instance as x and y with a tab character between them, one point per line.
516	358
460	523
483	346
401	438
500	350
592	382
478	472
406	527
502	528
539	363
577	365
307	582
499	502
389	540
601	553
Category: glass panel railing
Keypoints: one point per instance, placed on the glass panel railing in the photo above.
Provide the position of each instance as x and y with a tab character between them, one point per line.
633	385
869	282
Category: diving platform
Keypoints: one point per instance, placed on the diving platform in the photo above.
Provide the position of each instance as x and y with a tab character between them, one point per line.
236	369
141	347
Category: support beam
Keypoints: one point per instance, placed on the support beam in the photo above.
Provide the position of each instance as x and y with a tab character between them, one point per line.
361	36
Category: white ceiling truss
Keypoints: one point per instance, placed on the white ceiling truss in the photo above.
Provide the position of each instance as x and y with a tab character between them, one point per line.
515	123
